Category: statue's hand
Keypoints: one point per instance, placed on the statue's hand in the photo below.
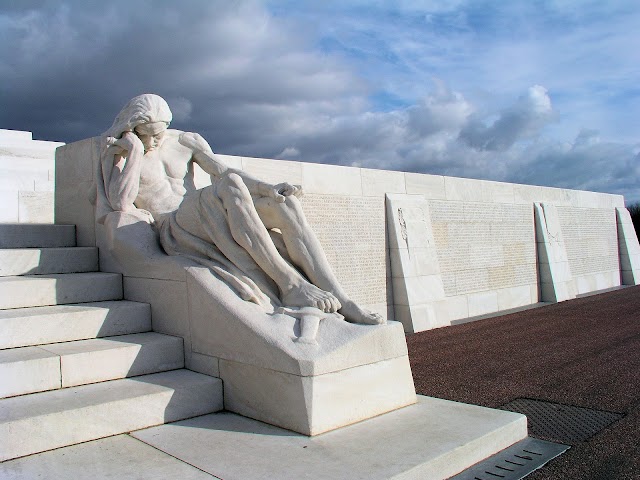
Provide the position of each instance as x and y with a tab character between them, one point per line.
146	216
280	191
127	142
139	213
194	141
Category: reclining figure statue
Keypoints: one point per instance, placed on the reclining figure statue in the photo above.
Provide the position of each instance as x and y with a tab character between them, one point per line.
252	234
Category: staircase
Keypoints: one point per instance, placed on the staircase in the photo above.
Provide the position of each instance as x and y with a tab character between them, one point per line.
77	362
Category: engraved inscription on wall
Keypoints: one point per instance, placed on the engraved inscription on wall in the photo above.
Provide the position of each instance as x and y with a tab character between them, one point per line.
483	246
590	237
352	233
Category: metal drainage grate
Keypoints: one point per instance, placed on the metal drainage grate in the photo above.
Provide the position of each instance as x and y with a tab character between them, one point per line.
515	462
561	423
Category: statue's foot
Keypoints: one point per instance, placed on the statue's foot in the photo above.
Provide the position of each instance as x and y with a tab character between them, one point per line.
308	295
356	314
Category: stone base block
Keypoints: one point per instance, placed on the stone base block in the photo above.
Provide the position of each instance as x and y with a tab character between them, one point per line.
432	439
316	404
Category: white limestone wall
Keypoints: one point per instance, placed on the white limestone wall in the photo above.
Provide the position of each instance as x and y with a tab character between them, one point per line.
26	178
483	233
591	240
487	249
480	233
487	254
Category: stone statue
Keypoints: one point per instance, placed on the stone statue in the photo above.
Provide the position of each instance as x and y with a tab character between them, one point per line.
252	234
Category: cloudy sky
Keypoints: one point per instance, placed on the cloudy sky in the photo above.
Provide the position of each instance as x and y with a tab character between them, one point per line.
537	92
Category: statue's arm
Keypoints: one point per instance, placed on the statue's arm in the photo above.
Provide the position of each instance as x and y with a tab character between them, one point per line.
123	181
215	167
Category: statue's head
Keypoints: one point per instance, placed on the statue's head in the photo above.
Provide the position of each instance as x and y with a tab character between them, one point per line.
145	114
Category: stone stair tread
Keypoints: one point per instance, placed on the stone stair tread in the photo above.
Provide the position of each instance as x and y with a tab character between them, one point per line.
43	421
34	369
58	289
108	343
28	369
67	309
27	326
36	235
41	261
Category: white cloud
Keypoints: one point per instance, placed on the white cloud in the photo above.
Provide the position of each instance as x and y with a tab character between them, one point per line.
522	120
442	111
181	108
302	83
289	153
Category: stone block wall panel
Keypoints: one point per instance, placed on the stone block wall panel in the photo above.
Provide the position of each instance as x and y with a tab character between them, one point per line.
26	178
629	248
591	243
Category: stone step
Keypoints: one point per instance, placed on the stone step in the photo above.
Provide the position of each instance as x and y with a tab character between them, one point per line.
36	235
24	327
44	421
61	365
59	289
41	261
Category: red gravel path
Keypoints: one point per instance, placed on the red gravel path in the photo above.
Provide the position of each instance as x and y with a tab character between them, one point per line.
584	352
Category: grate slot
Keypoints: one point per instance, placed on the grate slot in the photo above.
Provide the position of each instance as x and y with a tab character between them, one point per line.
515	462
505	468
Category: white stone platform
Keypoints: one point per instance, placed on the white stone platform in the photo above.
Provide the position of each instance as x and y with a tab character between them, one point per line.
433	439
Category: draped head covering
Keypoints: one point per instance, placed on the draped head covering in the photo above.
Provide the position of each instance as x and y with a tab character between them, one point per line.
147	108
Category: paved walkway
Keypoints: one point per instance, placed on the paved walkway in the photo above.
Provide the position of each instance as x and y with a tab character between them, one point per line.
585	352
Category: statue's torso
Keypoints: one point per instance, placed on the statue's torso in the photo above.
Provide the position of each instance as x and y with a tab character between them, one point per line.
166	176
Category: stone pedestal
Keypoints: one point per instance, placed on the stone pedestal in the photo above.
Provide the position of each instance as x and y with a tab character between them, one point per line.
354	372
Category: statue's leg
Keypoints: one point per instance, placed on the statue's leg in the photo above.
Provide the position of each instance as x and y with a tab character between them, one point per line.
307	253
250	233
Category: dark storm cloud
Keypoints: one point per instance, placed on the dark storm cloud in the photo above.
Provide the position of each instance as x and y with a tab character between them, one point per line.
67	67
